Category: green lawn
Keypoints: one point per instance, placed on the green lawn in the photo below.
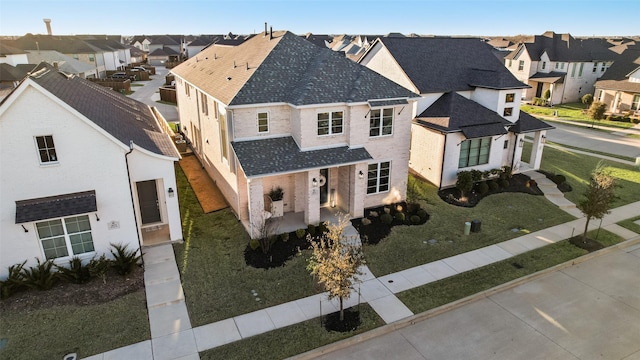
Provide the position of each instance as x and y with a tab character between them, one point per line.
630	224
216	281
578	167
407	246
87	330
291	340
571	112
442	292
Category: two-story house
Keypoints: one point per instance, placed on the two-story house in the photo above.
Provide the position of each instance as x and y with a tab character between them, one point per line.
566	66
619	88
279	111
468	116
82	167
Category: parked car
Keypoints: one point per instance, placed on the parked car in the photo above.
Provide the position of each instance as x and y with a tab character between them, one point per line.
138	68
122	75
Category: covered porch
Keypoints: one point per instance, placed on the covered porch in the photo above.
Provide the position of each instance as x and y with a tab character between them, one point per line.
528	126
541	82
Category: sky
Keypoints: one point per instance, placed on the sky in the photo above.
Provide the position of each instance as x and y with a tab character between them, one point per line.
376	17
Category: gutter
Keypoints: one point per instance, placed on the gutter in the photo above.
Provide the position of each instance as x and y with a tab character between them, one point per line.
133	204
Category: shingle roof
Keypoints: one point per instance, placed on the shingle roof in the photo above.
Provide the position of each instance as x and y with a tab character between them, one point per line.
449	64
550	77
66	63
564	48
527	123
282	155
122	117
452	112
163	52
285	69
9	50
63	44
616	77
55	206
14	73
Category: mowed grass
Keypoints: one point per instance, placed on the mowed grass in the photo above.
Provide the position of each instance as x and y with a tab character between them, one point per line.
571	112
216	281
408	246
457	287
577	168
291	340
631	224
86	330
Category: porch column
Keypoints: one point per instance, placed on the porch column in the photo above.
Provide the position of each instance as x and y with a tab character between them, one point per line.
616	101
312	213
358	190
256	207
536	149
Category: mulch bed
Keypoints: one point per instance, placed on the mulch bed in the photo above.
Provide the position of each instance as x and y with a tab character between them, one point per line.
517	183
377	230
350	323
278	254
587	244
62	294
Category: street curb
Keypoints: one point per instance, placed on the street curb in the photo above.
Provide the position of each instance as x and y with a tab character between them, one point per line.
386	329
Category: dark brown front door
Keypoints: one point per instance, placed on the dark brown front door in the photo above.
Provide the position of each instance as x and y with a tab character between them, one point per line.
539	89
148	201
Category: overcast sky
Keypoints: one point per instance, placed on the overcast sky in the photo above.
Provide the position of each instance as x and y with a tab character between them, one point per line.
427	17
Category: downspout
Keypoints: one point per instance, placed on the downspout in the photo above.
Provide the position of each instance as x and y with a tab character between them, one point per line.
133	204
442	162
513	157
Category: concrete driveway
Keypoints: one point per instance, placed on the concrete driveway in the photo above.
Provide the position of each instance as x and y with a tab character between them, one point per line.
587	138
149	95
587	311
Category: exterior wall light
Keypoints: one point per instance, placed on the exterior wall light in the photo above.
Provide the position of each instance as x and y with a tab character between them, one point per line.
171	192
361	174
314	182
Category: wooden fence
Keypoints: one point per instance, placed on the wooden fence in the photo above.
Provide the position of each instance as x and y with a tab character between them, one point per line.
122	86
168	94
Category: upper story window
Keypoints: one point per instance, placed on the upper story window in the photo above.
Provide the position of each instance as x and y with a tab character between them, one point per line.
381	122
64	237
330	123
510	61
92	57
581	68
508	111
510	97
474	152
46	149
187	90
595	67
602	67
521	65
557	65
204	103
263	122
635	104
562	66
544	65
573	70
378	177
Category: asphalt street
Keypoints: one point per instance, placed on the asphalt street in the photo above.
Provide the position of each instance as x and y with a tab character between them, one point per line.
594	139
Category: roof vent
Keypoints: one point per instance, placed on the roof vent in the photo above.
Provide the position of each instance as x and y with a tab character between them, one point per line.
228	78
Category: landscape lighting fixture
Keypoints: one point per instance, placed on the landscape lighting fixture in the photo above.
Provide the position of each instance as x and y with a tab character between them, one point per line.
314	182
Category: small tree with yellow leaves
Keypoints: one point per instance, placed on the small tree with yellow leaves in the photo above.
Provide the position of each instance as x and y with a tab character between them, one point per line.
598	196
336	262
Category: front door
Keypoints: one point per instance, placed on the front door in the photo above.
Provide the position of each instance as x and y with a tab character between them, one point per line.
324	187
539	89
148	201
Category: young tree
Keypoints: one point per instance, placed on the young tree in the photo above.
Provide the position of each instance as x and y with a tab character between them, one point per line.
335	262
596	110
464	183
598	196
587	99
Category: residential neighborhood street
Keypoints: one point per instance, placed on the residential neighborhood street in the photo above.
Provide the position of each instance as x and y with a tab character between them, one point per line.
594	139
149	94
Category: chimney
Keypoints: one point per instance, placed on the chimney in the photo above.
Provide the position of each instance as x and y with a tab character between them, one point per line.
48	23
270	32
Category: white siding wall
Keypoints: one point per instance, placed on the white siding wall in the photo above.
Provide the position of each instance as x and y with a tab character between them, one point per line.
14	59
380	60
427	147
452	156
495	100
87	161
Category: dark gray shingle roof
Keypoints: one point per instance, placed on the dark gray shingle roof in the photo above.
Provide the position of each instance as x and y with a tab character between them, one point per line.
55	206
564	48
282	155
616	77
527	123
449	64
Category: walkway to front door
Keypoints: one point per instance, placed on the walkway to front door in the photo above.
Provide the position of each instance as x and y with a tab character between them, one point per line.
208	194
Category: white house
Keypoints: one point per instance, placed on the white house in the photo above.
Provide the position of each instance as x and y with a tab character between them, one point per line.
468	116
565	66
12	56
278	110
82	167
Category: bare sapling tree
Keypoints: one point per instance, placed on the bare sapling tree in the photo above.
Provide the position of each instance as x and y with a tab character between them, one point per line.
598	196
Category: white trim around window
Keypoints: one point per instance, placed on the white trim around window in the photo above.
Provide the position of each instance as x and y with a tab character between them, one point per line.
378	177
330	123
263	122
46	150
65	237
381	122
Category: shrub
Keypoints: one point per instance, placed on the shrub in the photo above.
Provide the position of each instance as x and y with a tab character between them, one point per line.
413	207
386	218
587	99
483	188
300	233
387	210
254	244
276	193
476	175
76	273
493	185
14	281
415	219
506	172
546	94
400	217
422	214
596	110
504	183
99	267
311	229
635	120
366	221
322	228
559	179
41	276
464	183
124	260
284	237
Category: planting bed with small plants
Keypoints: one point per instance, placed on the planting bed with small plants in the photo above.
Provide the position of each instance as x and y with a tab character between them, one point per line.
377	223
275	250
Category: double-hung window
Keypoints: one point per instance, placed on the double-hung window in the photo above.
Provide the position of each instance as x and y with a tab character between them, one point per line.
65	237
508	111
381	122
474	152
204	103
635	104
378	177
46	149
330	123
510	97
263	122
521	65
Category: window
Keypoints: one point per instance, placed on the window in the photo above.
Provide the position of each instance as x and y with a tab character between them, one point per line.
510	62
223	135
378	177
521	65
581	67
92	57
508	111
46	149
510	97
635	104
187	90
602	67
63	238
506	144
557	65
204	103
544	65
330	123
573	71
474	152
562	66
263	122
595	67
381	122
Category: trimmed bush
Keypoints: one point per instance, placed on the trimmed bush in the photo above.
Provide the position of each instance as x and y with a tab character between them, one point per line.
559	179
422	214
300	233
415	219
483	188
311	229
503	183
322	228
476	175
284	237
41	276
124	260
596	110
413	207
76	272
464	183
587	99
254	244
493	185
365	221
386	218
400	217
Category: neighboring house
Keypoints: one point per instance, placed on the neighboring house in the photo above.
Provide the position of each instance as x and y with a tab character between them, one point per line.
566	66
11	55
166	42
195	46
159	57
65	63
10	77
619	87
141	42
468	116
116	55
137	56
278	110
82	167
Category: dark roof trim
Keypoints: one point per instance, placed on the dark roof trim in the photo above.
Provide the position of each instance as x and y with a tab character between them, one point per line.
52	207
378	103
552	77
483	130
